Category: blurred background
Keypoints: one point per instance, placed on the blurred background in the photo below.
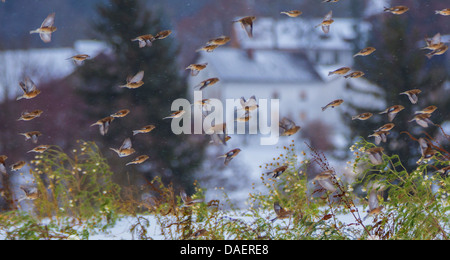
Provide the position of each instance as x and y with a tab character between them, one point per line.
288	59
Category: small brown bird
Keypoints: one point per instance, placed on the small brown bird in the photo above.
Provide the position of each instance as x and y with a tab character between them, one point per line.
445	11
330	1
196	68
46	29
374	207
126	149
39	149
326	23
221	40
144	40
328	185
104	124
375	155
208	48
281	212
3	158
163	34
121	113
439	51
134	82
434	42
32	136
176	114
230	155
380	136
29	89
144	130
363	116
324	175
292	13
206	83
355	75
188	201
277	172
249	105
412	95
218	133
392	111
365	52
247	24
387	127
288	127
340	71
423	120
426	150
18	166
30	193
79	59
445	172
401	9
28	116
225	140
139	160
427	110
333	104
245	118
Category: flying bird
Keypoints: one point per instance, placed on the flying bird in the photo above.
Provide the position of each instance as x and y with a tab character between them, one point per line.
292	13
281	212
247	24
29	89
288	127
333	104
363	116
28	116
32	136
40	149
439	51
144	130
427	110
423	120
355	75
444	12
30	193
323	175
412	95
380	136
18	166
104	124
374	207
46	29
230	155
375	155
176	114
79	59
277	172
401	9
326	23
387	127
206	83
188	201
121	113
196	68
392	111
365	52
134	82
126	149
221	40
139	160
340	71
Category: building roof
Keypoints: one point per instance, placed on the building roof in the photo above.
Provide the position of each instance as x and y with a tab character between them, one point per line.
274	66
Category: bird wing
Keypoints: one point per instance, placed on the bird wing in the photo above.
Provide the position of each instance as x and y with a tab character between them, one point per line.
138	77
49	21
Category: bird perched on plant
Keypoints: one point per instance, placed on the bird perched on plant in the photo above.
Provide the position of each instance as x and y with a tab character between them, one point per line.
33	135
104	124
230	155
79	59
375	155
46	29
206	83
427	110
326	23
365	52
363	116
380	136
412	95
392	111
18	165
277	172
340	71
134	82
288	127
126	149
333	104
28	116
196	68
445	11
144	130
247	24
401	9
292	13
281	212
29	89
188	201
39	149
176	114
139	160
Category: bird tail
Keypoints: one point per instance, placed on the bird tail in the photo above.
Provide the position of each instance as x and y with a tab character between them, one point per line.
437	12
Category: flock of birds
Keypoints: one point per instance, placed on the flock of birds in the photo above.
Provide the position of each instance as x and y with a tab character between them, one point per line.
218	132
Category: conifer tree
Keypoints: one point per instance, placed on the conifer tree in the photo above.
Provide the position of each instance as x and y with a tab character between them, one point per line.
172	157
